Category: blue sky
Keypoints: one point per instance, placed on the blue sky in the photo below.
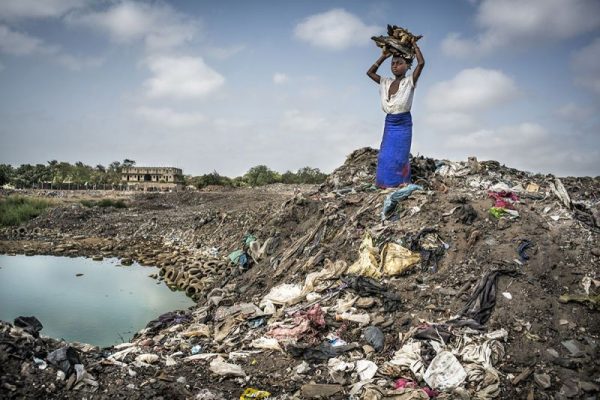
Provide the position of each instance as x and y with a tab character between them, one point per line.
227	85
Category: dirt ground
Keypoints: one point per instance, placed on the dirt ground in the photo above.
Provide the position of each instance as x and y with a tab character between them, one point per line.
546	298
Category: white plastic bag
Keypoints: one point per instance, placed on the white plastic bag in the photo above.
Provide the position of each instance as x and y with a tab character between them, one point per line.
444	372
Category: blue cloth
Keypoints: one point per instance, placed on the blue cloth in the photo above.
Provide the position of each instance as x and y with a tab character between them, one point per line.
393	164
392	199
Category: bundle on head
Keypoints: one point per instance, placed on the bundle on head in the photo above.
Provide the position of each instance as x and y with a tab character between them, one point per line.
398	42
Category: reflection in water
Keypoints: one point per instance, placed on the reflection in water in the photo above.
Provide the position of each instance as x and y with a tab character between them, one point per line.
100	307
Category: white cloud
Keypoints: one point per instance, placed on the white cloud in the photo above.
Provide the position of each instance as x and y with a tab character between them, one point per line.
224	53
514	23
450	121
302	121
504	140
21	44
75	63
470	90
158	25
169	118
21	9
280	78
336	29
574	112
456	125
181	77
587	67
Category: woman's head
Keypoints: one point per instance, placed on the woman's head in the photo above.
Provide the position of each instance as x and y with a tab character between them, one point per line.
400	65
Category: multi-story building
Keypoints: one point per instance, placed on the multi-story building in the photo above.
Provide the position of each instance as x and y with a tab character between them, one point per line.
152	178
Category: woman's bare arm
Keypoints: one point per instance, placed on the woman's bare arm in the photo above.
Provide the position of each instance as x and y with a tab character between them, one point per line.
372	72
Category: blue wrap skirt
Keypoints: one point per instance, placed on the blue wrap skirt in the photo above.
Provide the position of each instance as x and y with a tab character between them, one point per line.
393	164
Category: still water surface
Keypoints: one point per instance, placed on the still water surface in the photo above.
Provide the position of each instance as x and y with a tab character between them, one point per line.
104	304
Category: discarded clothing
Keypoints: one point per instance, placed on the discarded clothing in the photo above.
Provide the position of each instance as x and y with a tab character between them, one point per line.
392	199
30	325
523	246
307	325
409	358
239	257
434	332
364	286
168	319
393	163
504	199
429	245
322	352
407	383
481	304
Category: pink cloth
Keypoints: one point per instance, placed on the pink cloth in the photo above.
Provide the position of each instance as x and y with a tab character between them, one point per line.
307	324
407	383
504	199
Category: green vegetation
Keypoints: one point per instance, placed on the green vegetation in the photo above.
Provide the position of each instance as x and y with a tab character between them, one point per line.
104	203
15	210
258	176
63	175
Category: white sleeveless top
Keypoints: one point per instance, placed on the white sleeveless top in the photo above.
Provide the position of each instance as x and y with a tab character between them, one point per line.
401	101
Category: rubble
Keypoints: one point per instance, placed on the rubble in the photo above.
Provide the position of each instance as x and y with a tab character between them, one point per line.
443	299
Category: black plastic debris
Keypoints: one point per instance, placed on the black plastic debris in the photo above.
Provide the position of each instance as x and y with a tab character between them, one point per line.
466	214
65	359
437	332
365	286
168	319
322	352
374	336
30	325
430	254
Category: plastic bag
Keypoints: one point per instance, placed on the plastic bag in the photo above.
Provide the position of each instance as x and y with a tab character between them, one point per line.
445	372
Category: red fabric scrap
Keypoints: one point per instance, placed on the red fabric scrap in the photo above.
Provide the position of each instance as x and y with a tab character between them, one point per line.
504	199
407	383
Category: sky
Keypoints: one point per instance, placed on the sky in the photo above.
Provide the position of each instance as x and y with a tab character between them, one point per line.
227	85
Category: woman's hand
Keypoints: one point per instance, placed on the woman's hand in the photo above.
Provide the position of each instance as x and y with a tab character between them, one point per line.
413	41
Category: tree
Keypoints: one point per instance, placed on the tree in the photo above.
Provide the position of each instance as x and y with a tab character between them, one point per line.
289	177
6	173
261	175
128	163
310	175
214	178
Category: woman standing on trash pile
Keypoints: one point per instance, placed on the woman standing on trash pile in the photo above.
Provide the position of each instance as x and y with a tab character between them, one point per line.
393	164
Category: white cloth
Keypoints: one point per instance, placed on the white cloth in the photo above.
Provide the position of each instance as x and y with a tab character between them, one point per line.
401	101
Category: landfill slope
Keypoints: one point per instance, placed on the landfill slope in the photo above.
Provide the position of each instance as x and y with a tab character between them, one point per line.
507	303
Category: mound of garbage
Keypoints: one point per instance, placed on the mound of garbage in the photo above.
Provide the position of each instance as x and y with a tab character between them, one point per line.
477	281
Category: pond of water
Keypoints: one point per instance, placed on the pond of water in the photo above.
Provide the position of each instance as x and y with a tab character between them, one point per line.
104	306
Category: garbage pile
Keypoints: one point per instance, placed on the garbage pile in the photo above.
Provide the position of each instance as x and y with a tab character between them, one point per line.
478	282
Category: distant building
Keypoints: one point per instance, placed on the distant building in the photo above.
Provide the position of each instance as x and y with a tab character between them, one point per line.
152	178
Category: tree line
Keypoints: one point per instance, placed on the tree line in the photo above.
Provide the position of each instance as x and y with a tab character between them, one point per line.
60	173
